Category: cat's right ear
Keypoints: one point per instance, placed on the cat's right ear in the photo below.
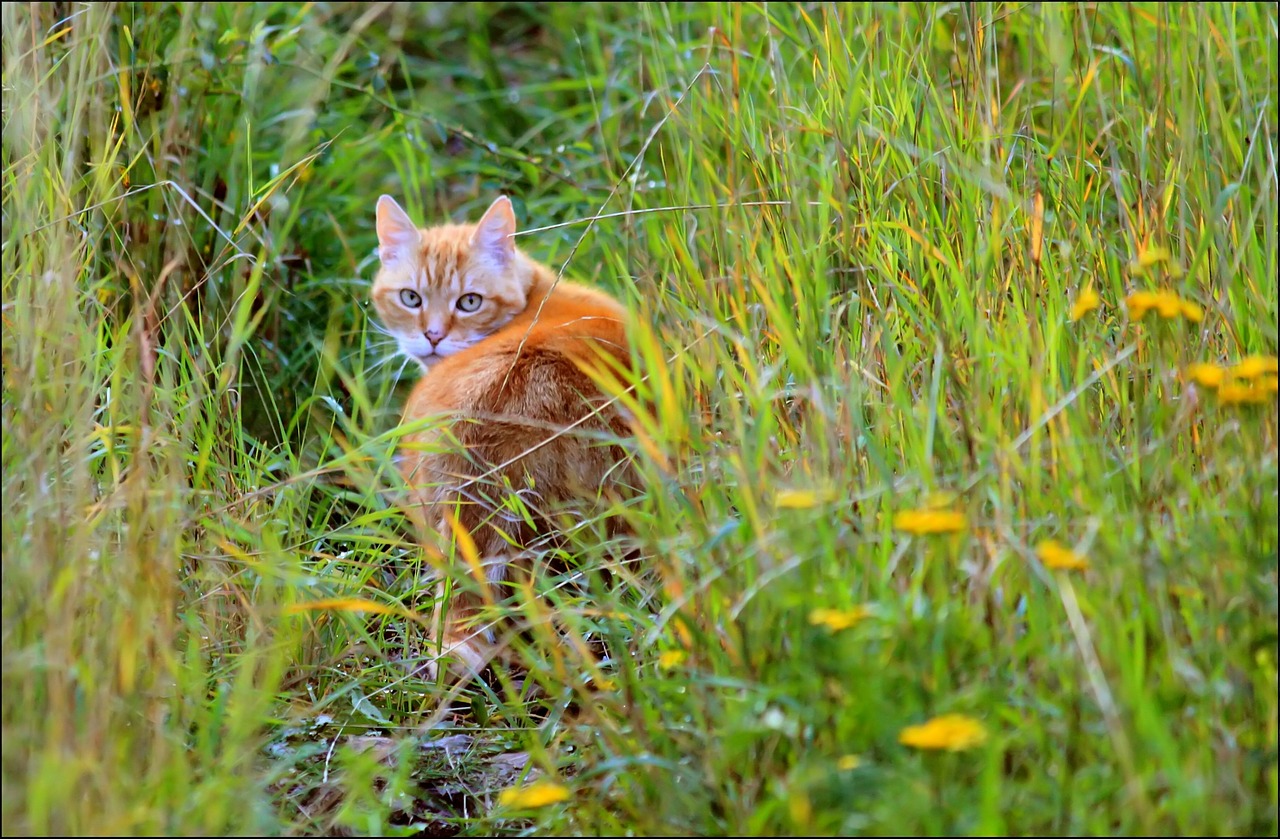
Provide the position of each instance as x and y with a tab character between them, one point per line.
494	232
397	235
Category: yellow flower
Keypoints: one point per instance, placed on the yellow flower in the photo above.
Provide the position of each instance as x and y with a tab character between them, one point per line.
1085	303
1233	394
1139	303
1148	257
606	684
952	732
800	499
1167	304
1190	311
929	521
1059	557
848	763
1206	375
838	619
537	794
671	659
1256	367
1253	366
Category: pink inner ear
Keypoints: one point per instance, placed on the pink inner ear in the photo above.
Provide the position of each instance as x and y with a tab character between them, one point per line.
396	232
495	230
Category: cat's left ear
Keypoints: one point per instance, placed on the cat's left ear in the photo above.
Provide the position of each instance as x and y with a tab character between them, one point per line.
397	235
495	231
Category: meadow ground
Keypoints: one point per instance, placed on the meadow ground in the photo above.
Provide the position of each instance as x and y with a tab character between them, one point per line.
919	291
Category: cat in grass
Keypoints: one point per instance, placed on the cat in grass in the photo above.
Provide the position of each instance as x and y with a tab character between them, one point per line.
506	351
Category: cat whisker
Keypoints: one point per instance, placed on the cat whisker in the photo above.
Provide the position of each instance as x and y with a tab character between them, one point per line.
376	351
384	361
367	328
377	344
400	371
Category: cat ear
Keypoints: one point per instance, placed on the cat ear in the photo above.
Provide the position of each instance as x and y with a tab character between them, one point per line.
397	235
495	231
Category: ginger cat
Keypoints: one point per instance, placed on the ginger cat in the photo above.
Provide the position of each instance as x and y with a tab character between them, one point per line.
504	346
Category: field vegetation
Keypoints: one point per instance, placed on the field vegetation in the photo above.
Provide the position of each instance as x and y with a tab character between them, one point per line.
956	412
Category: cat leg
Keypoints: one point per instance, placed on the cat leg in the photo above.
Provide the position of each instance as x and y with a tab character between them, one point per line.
469	638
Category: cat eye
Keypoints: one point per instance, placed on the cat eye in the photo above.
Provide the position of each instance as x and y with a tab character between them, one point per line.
469	302
410	298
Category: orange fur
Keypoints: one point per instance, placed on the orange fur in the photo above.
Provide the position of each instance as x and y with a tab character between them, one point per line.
522	415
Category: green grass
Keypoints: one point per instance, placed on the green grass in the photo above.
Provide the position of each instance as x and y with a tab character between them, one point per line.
852	239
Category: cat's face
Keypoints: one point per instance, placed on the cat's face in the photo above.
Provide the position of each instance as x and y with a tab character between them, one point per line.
442	289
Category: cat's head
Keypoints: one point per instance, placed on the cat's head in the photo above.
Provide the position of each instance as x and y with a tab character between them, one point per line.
442	289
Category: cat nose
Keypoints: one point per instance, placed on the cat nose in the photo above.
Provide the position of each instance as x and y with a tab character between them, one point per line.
435	336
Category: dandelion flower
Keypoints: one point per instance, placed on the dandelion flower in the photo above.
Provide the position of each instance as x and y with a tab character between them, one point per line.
1085	303
921	522
1206	375
537	794
1139	303
1253	366
950	732
1148	257
800	499
671	659
848	763
1190	311
1059	557
838	619
1166	304
1233	394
